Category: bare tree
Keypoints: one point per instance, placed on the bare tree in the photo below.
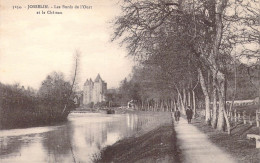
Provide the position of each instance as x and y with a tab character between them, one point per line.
203	27
75	74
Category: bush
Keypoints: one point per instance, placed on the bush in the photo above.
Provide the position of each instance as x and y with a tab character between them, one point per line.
21	107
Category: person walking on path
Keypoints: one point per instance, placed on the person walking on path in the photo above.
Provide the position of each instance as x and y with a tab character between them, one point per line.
189	114
196	147
177	115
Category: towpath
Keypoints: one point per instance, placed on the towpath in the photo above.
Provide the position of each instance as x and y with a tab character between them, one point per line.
196	147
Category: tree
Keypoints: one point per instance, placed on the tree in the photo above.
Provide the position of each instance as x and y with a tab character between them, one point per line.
75	75
55	90
245	22
200	26
146	24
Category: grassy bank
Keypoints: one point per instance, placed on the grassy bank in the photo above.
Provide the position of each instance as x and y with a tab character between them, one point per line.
237	145
156	142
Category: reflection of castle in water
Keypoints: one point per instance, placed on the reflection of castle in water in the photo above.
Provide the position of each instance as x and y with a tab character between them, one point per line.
97	134
132	120
100	134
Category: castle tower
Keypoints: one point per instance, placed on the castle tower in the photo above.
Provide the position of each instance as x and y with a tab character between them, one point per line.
94	91
88	91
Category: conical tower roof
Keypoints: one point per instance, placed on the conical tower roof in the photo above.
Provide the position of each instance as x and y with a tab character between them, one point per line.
98	78
86	83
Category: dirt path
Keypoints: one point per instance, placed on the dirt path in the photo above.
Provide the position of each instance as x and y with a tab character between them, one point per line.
196	147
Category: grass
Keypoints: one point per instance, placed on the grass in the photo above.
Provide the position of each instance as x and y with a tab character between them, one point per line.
154	143
236	144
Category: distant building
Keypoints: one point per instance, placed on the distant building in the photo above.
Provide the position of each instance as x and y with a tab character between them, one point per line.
94	91
78	98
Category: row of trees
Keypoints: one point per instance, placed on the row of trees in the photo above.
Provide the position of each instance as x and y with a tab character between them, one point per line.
185	42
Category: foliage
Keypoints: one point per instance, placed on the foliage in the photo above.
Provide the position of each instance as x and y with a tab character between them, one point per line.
175	40
21	107
54	90
90	105
101	104
246	89
16	96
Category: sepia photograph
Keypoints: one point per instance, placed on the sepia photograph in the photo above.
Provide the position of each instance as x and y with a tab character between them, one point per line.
129	81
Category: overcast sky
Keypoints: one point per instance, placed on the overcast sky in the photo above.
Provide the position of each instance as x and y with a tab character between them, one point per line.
31	45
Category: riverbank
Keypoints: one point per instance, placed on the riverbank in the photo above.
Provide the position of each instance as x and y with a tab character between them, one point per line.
40	115
156	142
117	110
237	145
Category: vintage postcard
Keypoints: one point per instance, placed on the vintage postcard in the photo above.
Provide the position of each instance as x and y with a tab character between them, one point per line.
129	81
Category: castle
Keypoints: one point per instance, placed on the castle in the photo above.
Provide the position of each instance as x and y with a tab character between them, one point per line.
94	91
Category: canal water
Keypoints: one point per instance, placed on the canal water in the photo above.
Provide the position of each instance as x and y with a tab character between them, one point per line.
80	139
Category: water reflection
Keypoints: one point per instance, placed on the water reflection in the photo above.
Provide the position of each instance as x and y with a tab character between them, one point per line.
81	137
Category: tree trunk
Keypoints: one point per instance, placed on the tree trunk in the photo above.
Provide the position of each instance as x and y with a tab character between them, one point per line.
220	5
221	121
148	105
161	105
174	105
189	98
73	81
258	89
214	107
194	104
222	112
180	101
235	89
182	106
167	105
184	98
206	96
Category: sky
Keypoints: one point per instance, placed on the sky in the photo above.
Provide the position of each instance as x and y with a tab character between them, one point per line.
33	45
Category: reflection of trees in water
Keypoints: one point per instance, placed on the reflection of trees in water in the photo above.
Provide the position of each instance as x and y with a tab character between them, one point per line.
57	144
132	122
136	122
10	145
96	134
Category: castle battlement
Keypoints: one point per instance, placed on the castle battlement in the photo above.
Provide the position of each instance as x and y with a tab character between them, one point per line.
94	91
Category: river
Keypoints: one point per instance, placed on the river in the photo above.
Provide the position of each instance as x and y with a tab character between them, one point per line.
79	139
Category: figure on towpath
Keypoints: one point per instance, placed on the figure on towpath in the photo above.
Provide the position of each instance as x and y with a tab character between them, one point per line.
189	114
177	115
